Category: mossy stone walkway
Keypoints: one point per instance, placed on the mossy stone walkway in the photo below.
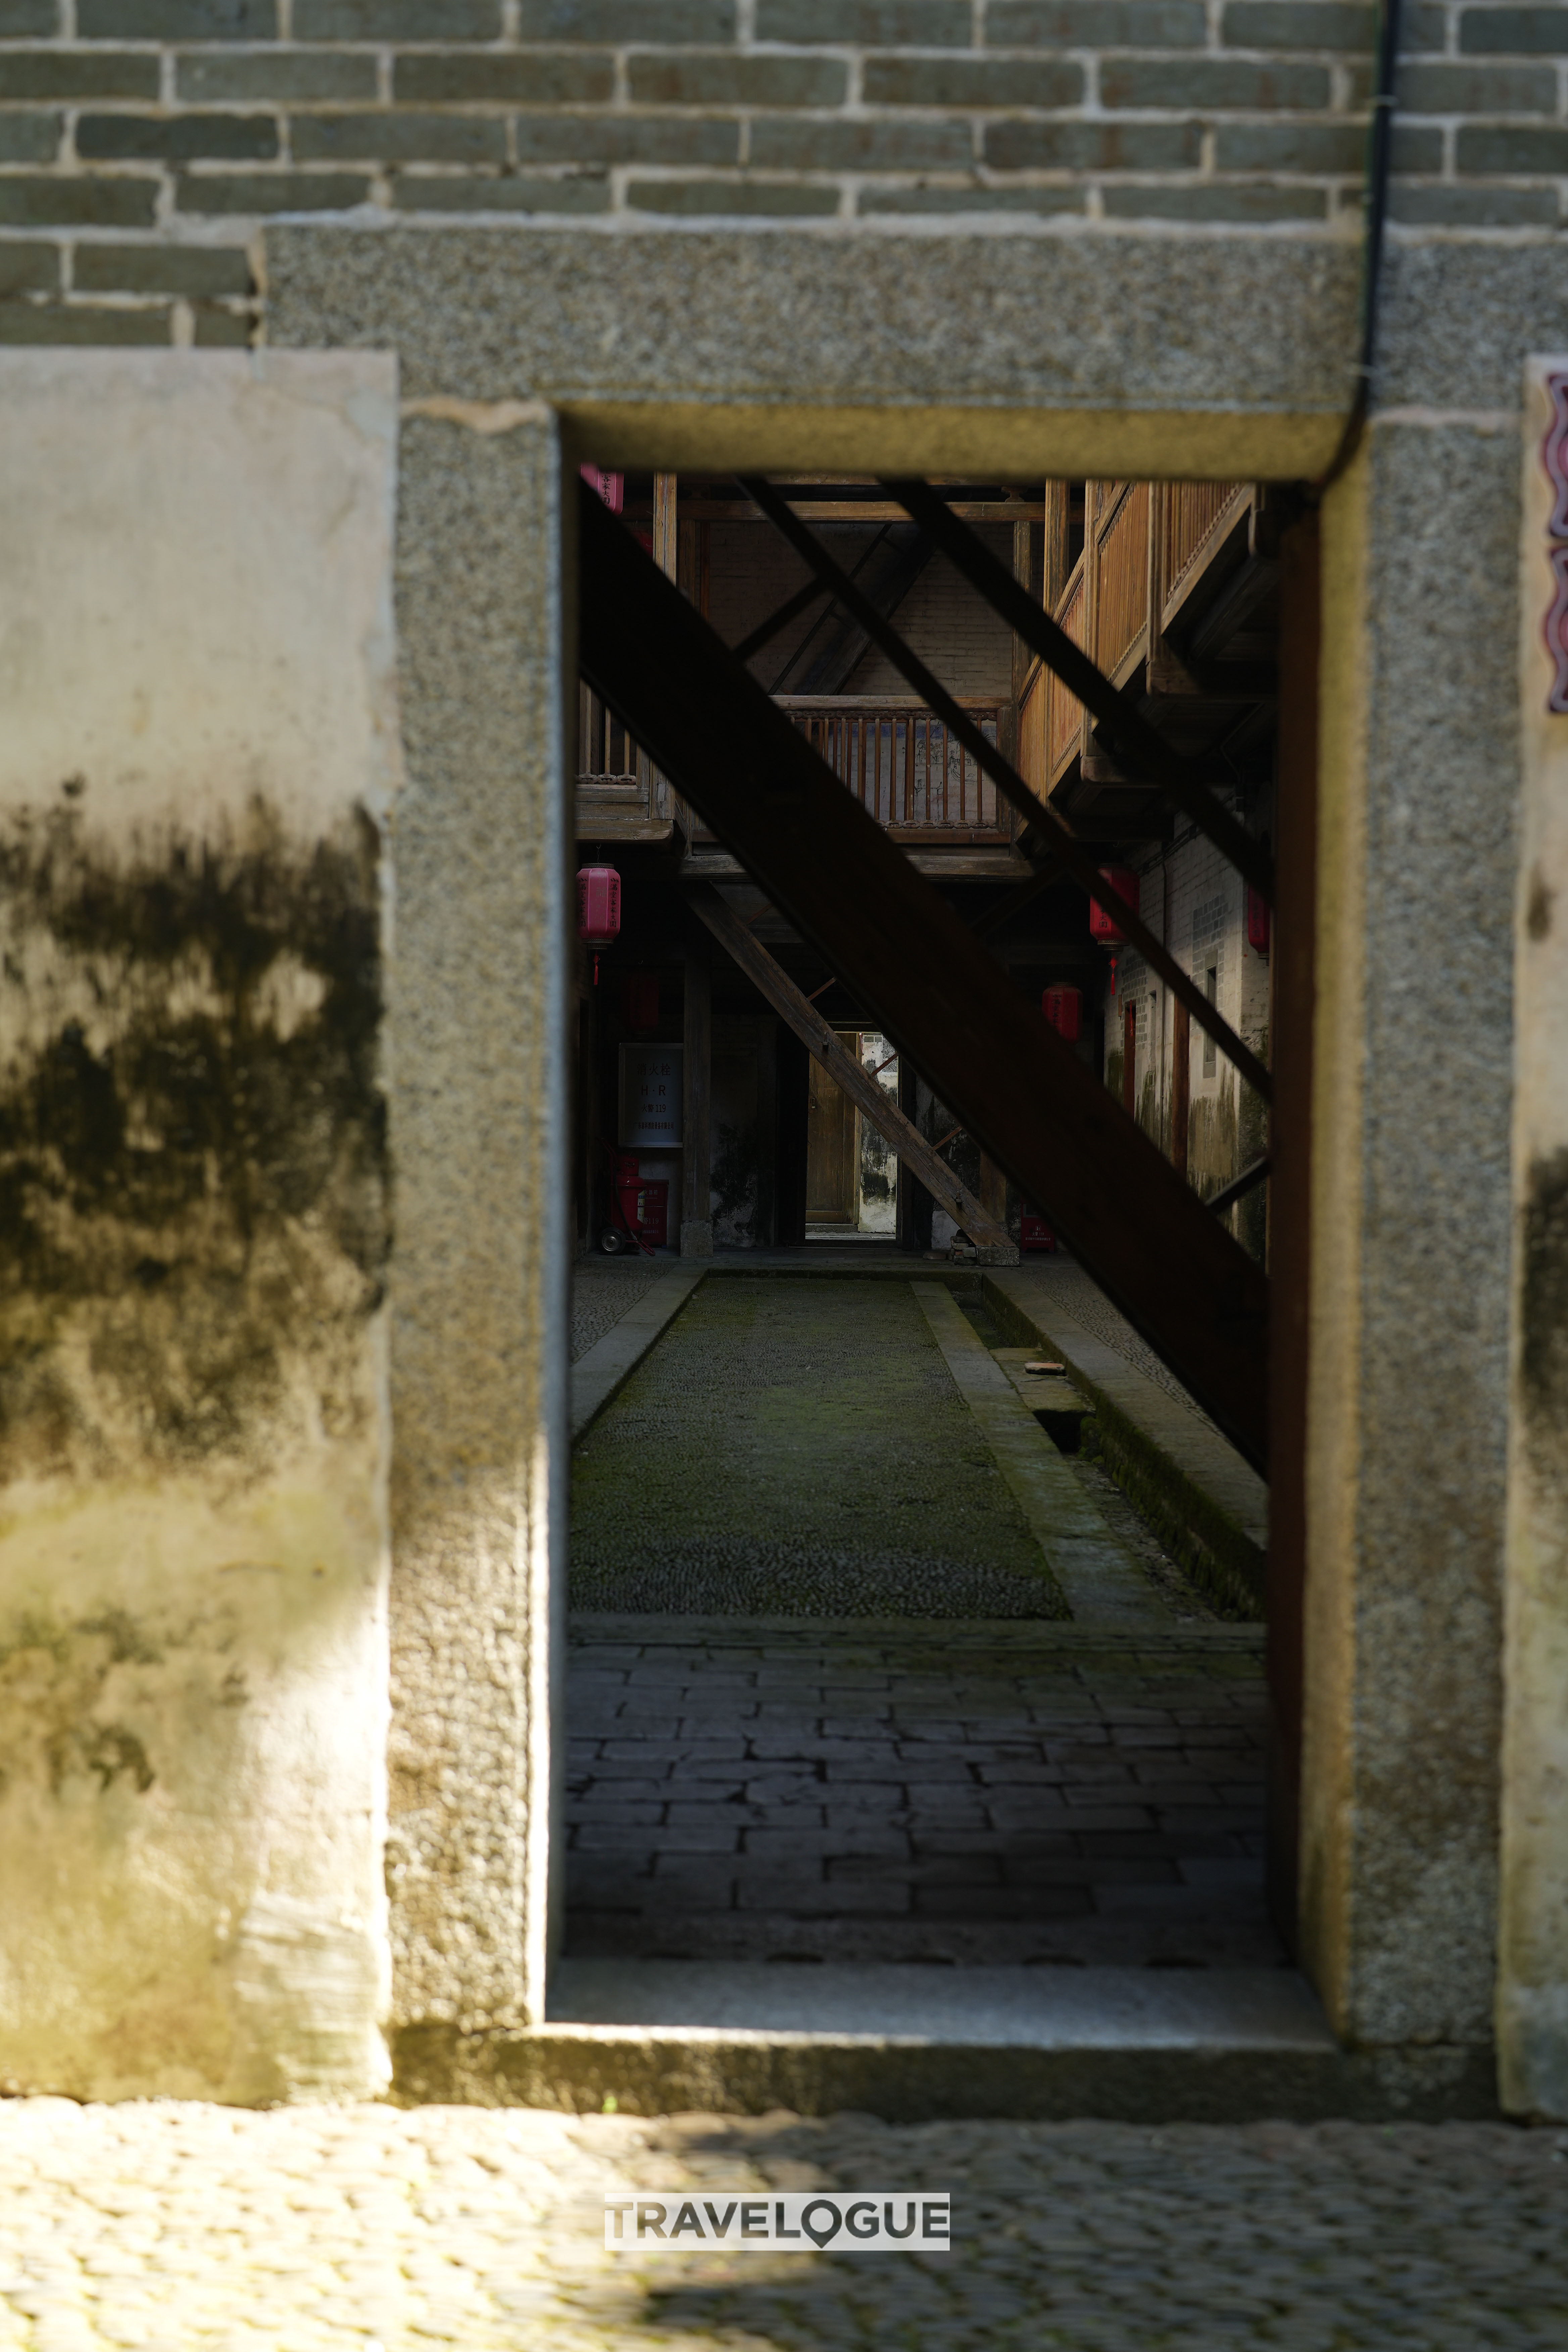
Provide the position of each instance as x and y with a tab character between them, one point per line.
799	1448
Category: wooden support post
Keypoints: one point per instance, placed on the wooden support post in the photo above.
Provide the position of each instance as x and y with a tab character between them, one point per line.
666	552
1293	988
1130	1056
1056	566
1180	1085
697	1061
845	1066
1023	659
667	555
993	1189
914	1201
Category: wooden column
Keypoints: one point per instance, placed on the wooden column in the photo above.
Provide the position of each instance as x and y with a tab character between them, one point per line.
1293	993
993	1188
1130	1056
666	552
1181	1084
1023	659
696	1214
667	555
914	1212
1056	566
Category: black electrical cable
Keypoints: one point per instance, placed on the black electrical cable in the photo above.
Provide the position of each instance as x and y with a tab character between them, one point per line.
1377	174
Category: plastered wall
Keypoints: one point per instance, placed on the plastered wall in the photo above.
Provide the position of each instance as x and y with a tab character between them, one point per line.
195	778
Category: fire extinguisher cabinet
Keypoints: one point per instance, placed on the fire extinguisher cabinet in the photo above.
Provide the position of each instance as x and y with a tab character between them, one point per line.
1063	1008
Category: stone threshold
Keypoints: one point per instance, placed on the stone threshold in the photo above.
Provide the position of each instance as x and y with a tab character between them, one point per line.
921	2044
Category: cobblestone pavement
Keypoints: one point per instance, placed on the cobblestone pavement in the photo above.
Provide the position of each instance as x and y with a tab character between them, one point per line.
799	1447
170	2227
604	1289
1003	1793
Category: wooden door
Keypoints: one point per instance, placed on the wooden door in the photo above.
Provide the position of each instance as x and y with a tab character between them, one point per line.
830	1136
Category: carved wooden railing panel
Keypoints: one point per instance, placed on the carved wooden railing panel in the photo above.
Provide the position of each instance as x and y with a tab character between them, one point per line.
1033	712
904	768
1064	712
1122	578
620	793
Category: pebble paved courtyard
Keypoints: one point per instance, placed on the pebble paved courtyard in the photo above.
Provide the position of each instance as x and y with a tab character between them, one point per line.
344	2229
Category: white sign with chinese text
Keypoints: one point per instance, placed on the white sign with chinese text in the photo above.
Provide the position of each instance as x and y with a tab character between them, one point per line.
650	1097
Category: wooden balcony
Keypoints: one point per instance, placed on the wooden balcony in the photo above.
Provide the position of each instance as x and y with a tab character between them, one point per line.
905	768
896	757
1169	576
621	796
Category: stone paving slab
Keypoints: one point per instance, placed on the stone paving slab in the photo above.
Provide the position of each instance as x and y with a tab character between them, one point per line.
1209	2010
602	1288
1070	1796
603	1368
175	2228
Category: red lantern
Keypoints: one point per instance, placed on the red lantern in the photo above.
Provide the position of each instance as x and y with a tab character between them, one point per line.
1124	882
1063	1008
639	999
611	487
598	909
1257	921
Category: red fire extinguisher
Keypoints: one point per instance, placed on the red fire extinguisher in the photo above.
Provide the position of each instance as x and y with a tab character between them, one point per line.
598	909
1063	1008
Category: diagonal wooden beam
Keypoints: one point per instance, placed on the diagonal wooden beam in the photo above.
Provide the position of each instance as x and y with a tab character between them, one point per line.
1065	844
847	1071
1173	1270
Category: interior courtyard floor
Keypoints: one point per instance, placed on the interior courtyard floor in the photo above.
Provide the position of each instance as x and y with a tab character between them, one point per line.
828	1701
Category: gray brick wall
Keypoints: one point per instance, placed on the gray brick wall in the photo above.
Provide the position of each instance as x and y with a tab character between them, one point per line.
145	143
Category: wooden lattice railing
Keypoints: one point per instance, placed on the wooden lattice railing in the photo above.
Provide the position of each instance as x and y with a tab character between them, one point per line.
902	765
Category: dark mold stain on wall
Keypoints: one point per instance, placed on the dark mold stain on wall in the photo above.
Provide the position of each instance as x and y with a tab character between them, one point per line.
193	1197
1544	1356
